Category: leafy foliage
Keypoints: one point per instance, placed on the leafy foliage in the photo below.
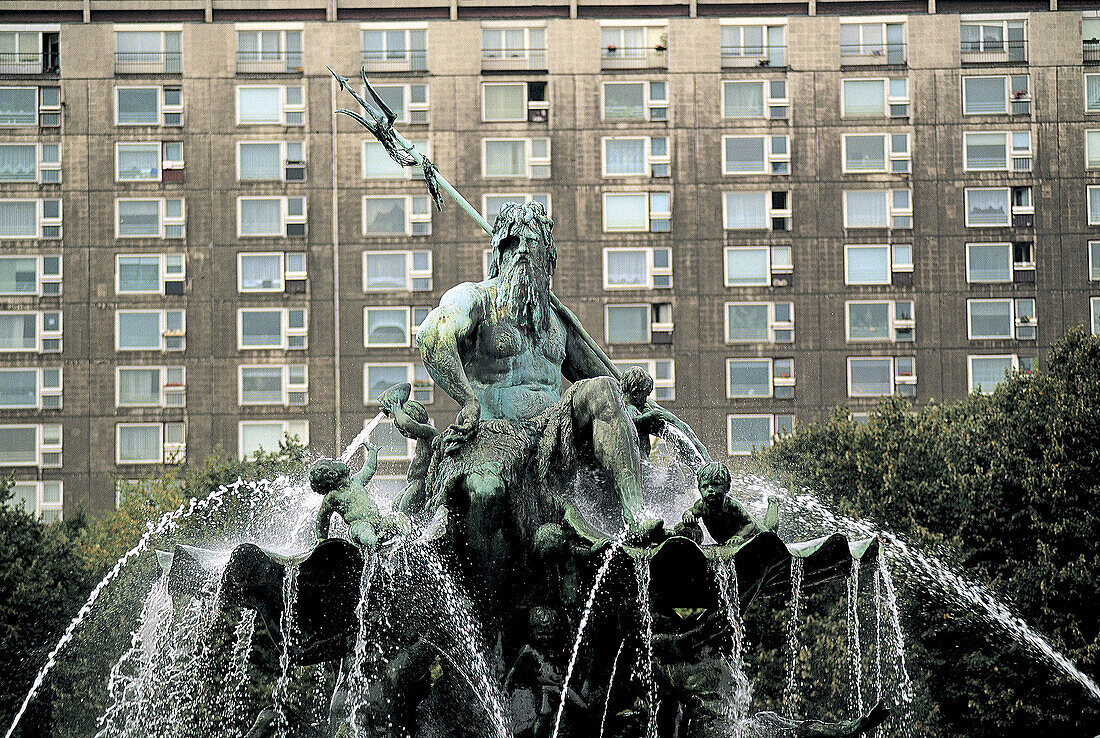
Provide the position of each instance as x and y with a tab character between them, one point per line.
1006	485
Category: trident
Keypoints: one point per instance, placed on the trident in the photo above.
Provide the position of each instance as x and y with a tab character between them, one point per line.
379	121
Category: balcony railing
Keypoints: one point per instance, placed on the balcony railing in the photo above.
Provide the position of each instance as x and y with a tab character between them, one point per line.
513	60
631	57
734	57
148	62
26	64
269	62
994	52
395	61
1090	49
872	55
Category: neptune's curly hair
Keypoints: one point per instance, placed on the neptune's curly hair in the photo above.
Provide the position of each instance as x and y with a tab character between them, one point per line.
515	218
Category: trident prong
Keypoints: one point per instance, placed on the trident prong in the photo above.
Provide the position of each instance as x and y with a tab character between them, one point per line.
381	125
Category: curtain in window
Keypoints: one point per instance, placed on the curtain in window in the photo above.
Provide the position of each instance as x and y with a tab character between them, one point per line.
25	497
19	106
134	42
871	377
19	388
18	445
749	432
138	218
626	268
746	210
864	97
865	153
262	384
139	443
745	154
141	162
386	271
139	330
261	328
987	371
18	275
625	213
743	99
505	159
259	105
256	436
18	163
381	378
388	327
378	164
628	324
139	386
624	156
747	266
261	161
747	322
987	207
866	210
985	95
505	102
869	322
261	272
138	105
138	273
261	217
990	263
17	331
869	265
384	216
18	219
992	319
750	378
624	101
986	151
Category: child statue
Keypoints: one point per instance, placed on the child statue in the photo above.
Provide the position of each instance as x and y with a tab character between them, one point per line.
411	419
726	519
651	419
346	494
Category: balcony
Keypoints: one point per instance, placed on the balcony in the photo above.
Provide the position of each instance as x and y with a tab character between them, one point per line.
633	57
513	60
269	62
414	60
148	62
1090	50
743	57
994	52
872	55
26	64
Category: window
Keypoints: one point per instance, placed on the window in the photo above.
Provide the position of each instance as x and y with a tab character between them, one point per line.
30	106
636	157
882	375
408	102
30	162
1093	193
878	209
663	372
399	215
634	46
515	101
876	263
149	218
30	275
30	388
872	43
377	378
995	206
756	155
1092	93
273	385
874	98
392	445
389	48
643	323
148	106
377	163
30	219
516	157
755	99
637	211
491	204
153	274
761	210
268	50
271	328
38	332
985	40
270	105
28	52
876	152
1094	262
996	95
510	47
984	373
149	330
997	151
1005	318
756	266
391	326
150	443
141	162
637	268
150	386
254	436
271	272
886	320
30	445
635	101
397	270
1094	308
760	378
43	499
147	52
759	322
754	45
271	160
271	216
747	432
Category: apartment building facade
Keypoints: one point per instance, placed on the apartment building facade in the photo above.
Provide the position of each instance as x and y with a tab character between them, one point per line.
773	214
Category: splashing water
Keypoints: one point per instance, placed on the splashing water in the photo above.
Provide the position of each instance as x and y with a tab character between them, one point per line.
280	693
611	685
242	648
794	631
901	674
693	458
605	565
740	701
855	657
361	438
643	577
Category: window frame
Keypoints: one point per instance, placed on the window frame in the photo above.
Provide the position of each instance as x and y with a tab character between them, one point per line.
773	419
520	197
411	274
651	271
285	218
42	223
168	389
162	314
773	380
888	99
411	219
772	108
286	332
283	145
771	213
164	275
41	389
649	160
889	156
164	222
650	104
772	265
1014	360
41	335
897	379
41	507
423	145
664	389
286	109
893	212
423	385
41	278
529	160
286	387
41	166
167	452
42	445
772	326
1009	94
163	108
770	158
893	323
410	328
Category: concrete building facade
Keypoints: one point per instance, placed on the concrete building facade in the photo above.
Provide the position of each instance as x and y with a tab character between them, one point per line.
775	214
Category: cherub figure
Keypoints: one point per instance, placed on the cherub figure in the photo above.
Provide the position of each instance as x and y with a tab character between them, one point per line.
650	419
346	494
540	668
411	419
725	518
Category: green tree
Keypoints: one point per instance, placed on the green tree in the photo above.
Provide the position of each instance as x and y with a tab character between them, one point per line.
1006	486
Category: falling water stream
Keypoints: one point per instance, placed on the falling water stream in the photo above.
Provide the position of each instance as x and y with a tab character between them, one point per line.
794	631
643	575
361	438
855	657
740	702
611	685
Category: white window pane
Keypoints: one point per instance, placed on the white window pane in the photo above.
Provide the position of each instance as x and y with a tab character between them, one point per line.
743	99
750	378
138	274
138	218
1092	147
986	151
866	210
746	210
987	207
747	266
18	163
505	102
261	217
18	106
378	164
986	372
989	262
381	377
18	331
628	324
744	154
18	275
18	388
261	328
984	95
261	272
387	326
747	432
137	331
505	159
138	105
261	161
259	105
262	384
625	213
623	101
865	153
624	156
863	97
869	321
18	219
626	268
139	443
386	271
870	377
139	386
390	442
990	319
384	216
257	436
747	322
868	264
